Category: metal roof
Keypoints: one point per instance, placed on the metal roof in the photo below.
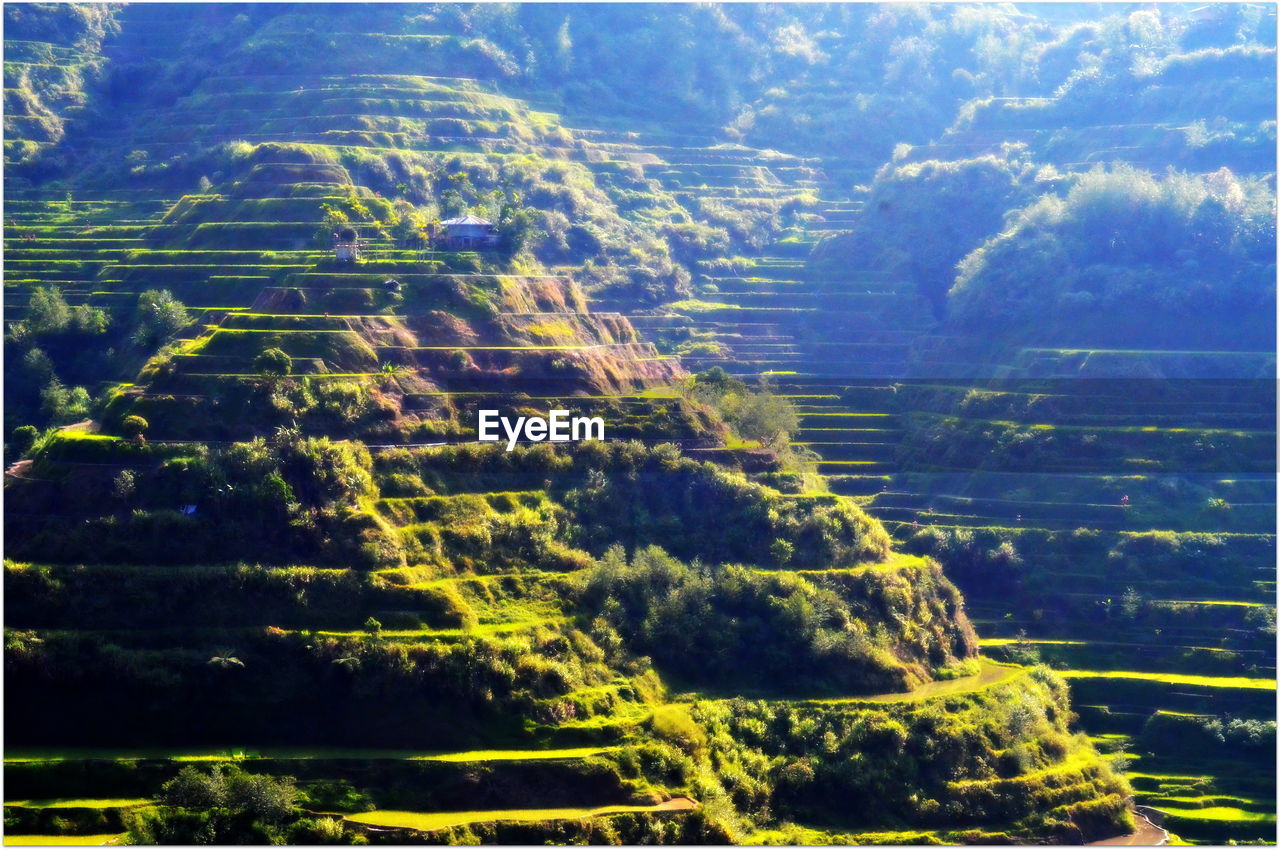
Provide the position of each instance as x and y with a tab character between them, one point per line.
467	219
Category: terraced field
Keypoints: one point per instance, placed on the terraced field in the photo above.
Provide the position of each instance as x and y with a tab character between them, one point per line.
1106	511
1060	454
432	821
1146	574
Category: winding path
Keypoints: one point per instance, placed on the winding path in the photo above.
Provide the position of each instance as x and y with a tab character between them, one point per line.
990	674
1145	834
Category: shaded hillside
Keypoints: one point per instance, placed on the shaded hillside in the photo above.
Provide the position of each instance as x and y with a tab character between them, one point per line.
53	63
1126	260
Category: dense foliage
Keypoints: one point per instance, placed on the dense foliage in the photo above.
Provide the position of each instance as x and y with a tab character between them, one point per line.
922	218
734	627
1126	258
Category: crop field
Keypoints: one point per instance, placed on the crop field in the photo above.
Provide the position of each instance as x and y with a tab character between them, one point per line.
25	840
429	821
1176	679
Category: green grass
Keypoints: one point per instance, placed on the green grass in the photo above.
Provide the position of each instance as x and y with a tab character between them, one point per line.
519	755
68	840
1175	679
1009	641
1174	602
71	803
481	629
1212	801
444	820
895	562
1219	813
274	753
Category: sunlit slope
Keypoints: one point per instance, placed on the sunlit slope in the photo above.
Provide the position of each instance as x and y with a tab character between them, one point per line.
561	734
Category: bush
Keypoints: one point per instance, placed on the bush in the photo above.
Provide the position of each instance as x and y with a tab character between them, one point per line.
673	723
734	626
22	439
273	361
159	318
134	426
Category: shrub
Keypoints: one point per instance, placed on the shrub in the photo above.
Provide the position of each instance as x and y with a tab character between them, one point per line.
159	318
735	626
134	426
22	439
273	361
673	723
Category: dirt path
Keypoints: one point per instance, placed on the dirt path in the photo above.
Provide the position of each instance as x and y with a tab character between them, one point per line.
989	674
19	469
1145	834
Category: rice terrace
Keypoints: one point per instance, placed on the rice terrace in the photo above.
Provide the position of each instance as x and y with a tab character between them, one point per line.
553	423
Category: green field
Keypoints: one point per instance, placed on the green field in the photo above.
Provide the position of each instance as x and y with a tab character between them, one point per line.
444	820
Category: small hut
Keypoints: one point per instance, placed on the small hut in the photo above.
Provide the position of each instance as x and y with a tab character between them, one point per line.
468	233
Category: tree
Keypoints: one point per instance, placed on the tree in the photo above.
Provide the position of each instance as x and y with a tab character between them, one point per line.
264	797
517	225
713	385
159	317
38	365
1130	603
23	438
409	224
901	232
1128	259
134	426
63	405
224	806
273	361
194	789
224	660
47	311
90	321
124	485
766	417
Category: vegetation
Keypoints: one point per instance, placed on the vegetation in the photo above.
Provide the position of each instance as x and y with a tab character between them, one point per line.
759	415
903	323
1121	245
229	807
732	627
903	234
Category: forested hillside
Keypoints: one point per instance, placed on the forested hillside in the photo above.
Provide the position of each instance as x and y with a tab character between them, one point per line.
935	350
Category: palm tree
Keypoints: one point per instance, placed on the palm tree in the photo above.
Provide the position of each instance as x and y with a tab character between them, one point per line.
389	372
224	660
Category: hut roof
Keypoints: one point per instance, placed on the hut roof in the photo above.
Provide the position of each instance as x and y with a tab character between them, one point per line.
466	219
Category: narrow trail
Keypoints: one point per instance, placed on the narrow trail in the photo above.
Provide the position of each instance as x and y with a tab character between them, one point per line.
989	675
1145	834
19	469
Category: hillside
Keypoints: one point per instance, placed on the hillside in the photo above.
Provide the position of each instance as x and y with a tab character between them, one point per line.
990	550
